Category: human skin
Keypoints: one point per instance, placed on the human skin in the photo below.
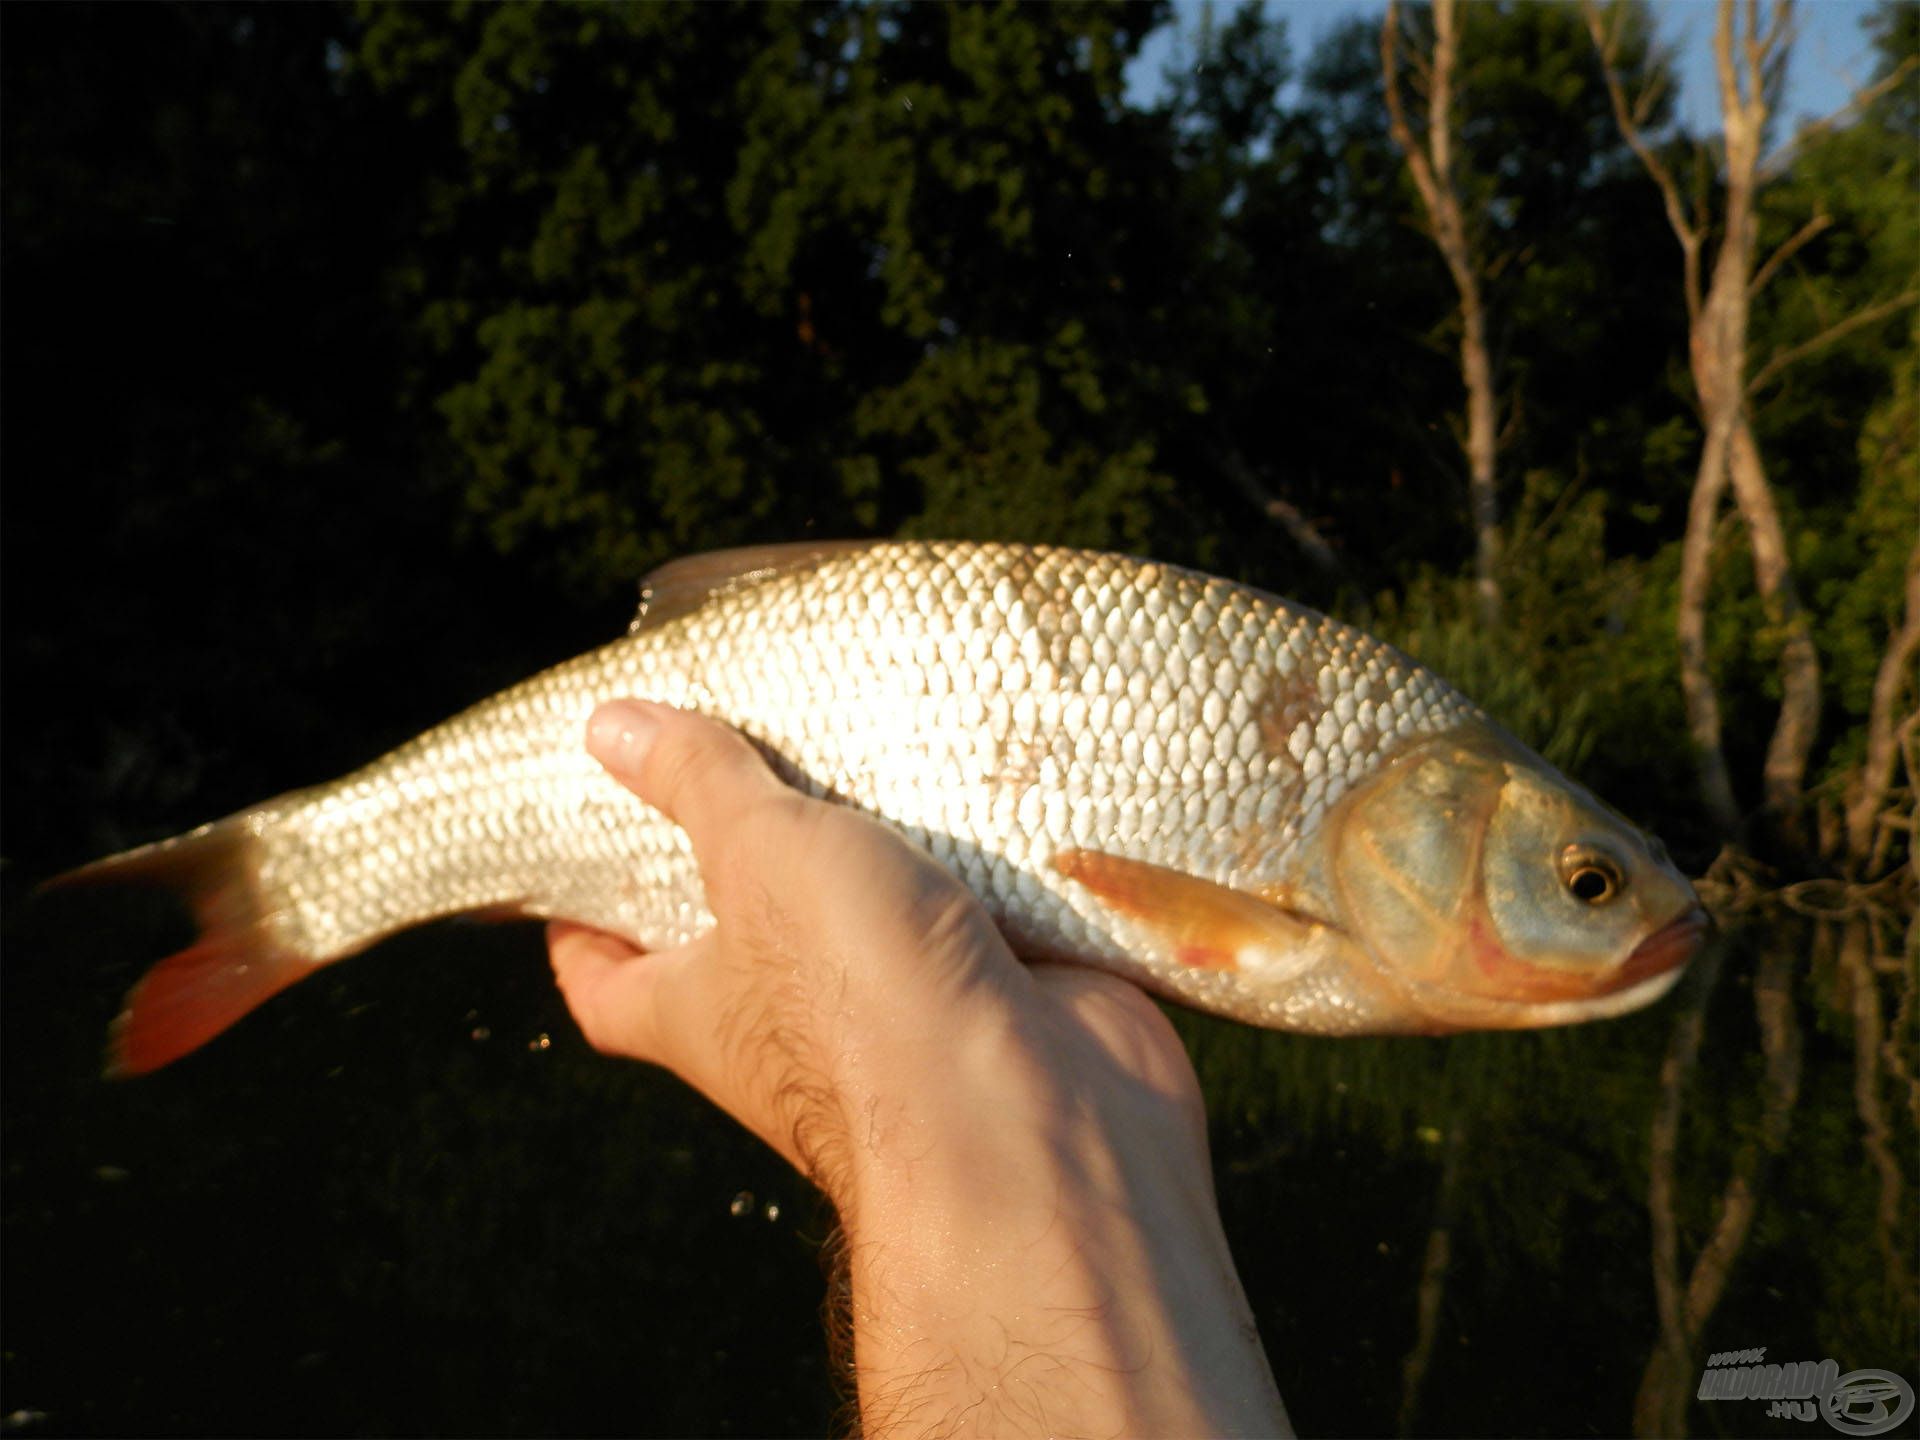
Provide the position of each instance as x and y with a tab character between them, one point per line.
1017	1153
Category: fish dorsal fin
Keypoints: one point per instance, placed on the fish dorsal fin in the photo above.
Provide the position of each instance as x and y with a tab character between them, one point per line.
682	586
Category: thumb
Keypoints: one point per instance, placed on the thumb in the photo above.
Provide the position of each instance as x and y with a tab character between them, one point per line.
700	774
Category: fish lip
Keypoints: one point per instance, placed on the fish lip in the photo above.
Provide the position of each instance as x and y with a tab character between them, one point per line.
1667	948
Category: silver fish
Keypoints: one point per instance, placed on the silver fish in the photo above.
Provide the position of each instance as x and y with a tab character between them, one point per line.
1229	798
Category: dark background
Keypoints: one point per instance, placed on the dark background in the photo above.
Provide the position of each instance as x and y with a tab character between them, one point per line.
357	361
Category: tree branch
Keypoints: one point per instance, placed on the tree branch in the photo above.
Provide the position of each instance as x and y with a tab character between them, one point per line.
1648	99
1784	157
1836	331
1440	106
1779	32
1606	43
1790	247
1869	792
1418	165
1285	514
1724	73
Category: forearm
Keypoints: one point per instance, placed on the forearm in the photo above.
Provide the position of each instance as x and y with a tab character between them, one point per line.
1051	1274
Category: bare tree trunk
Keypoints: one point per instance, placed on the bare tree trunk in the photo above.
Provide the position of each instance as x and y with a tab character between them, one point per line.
1690	629
1717	351
1793	733
1476	367
1660	1407
1430	162
1720	375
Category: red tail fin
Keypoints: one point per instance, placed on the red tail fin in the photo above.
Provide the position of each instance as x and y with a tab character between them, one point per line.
235	965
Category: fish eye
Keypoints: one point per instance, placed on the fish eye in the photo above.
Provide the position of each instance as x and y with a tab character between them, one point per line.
1590	876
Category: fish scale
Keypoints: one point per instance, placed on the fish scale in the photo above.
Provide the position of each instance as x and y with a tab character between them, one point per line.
1122	759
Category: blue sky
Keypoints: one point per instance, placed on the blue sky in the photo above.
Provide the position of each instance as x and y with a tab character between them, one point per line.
1830	59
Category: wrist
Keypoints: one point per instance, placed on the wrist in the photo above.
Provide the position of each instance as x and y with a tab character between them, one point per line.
1035	1254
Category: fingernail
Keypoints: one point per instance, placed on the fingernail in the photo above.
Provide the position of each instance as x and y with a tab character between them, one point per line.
621	733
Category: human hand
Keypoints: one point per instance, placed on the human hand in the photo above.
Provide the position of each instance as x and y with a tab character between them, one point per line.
1018	1154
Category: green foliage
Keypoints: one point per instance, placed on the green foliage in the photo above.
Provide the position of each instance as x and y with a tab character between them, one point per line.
813	283
1839	424
594	369
970	421
1860	567
1895	28
1860	182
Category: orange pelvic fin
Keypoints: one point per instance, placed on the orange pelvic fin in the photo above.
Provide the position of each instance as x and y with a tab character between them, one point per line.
1205	925
234	965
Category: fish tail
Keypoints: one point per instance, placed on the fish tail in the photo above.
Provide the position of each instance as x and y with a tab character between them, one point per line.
235	963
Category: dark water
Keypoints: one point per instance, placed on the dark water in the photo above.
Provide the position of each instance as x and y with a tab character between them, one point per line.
405	1199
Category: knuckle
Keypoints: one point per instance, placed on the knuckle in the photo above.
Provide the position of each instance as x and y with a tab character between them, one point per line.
684	769
944	914
714	784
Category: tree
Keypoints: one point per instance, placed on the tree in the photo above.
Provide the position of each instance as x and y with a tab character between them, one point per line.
1749	61
839	266
1750	53
1576	336
1430	161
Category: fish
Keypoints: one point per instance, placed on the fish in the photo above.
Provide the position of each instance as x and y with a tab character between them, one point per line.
1235	801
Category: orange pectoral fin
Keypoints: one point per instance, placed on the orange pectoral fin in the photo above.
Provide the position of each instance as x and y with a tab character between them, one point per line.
1204	925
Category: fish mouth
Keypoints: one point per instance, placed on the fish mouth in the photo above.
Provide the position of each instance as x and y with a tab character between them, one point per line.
1536	995
1667	948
